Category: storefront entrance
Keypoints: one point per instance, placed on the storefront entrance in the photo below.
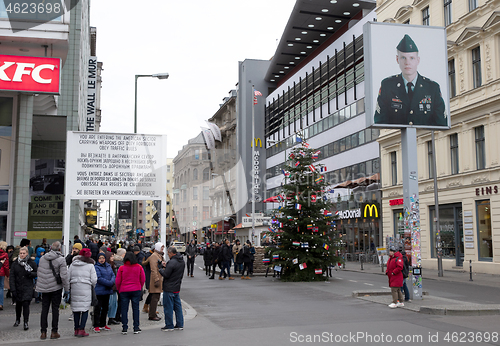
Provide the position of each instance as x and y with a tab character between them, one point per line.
452	234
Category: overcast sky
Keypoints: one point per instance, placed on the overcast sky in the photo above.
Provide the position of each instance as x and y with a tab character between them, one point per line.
198	42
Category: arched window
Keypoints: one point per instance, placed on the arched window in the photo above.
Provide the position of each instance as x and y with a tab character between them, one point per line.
206	174
195	174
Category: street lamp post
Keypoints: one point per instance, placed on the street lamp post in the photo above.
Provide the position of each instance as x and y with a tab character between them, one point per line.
137	76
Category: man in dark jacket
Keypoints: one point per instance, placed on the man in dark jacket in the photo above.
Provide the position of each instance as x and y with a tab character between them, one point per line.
51	265
172	273
94	249
191	255
227	255
207	259
215	258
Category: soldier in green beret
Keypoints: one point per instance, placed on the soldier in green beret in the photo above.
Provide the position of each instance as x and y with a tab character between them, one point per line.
410	98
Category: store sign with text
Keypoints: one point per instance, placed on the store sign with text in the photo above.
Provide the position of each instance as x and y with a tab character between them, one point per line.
30	74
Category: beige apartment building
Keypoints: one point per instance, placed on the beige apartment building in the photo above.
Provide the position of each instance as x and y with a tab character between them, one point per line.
467	155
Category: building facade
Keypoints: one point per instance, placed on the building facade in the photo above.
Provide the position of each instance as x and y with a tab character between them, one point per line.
34	124
318	71
467	155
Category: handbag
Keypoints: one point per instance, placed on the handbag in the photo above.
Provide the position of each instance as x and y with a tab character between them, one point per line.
94	297
56	275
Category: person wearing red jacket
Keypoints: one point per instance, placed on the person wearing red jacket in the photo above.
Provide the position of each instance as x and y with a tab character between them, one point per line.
395	274
129	281
4	269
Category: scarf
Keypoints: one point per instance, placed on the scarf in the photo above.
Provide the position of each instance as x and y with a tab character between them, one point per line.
24	263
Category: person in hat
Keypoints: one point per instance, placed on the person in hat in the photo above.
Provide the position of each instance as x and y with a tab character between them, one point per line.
156	282
394	272
82	276
410	98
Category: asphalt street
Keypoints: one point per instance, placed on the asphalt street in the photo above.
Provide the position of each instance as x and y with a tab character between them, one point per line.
266	311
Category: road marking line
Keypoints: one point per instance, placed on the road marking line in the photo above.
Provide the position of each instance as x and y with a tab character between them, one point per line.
368	284
384	287
200	268
352	280
339	278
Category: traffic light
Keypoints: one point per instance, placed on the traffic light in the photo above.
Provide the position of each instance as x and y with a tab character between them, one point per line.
195	235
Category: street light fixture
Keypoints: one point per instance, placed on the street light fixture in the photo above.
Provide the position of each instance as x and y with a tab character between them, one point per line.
137	76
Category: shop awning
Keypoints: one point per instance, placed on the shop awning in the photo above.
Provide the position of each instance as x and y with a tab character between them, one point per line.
99	231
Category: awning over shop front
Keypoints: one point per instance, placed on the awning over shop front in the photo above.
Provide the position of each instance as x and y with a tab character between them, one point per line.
99	231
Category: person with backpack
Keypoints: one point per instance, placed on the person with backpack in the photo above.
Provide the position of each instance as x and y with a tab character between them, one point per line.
394	272
406	273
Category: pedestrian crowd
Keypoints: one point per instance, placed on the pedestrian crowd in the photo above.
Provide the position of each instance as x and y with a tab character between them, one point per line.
222	254
98	279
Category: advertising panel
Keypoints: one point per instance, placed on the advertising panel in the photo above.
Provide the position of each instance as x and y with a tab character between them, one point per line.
30	74
406	75
115	166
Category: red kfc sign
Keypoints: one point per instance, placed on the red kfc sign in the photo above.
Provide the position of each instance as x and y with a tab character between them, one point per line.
31	74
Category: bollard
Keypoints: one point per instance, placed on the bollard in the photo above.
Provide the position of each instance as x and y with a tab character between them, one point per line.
361	261
382	262
470	269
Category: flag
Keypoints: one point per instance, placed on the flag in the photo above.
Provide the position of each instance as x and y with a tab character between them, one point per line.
298	140
286	174
306	145
297	163
266	260
325	246
315	155
255	94
315	229
323	169
298	206
295	261
313	198
296	243
276	257
309	226
327	213
304	245
318	271
302	153
292	156
312	168
302	266
265	235
319	180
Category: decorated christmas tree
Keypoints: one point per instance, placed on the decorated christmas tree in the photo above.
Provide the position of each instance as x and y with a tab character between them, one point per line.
302	226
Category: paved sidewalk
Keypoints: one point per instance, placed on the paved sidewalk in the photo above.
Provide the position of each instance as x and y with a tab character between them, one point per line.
431	304
66	327
459	275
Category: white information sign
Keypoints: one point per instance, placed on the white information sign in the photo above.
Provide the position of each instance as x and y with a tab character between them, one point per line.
115	166
469	245
259	221
468	232
469	238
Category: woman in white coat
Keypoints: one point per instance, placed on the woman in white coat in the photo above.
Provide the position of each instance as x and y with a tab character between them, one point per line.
82	277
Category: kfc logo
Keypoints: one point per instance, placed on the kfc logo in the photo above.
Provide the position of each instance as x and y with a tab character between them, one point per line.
30	74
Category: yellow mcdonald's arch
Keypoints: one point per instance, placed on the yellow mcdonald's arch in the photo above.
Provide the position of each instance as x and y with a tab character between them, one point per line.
257	141
371	207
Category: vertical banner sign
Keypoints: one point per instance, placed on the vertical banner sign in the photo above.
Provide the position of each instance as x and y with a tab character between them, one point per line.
91	94
125	210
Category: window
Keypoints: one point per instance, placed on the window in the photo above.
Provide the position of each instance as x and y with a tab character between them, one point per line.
476	67
196	154
426	16
206	193
484	240
206	213
206	174
406	22
452	78
184	195
472	5
480	147
168	168
454	153
394	168
447	12
195	193
195	174
430	159
195	213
